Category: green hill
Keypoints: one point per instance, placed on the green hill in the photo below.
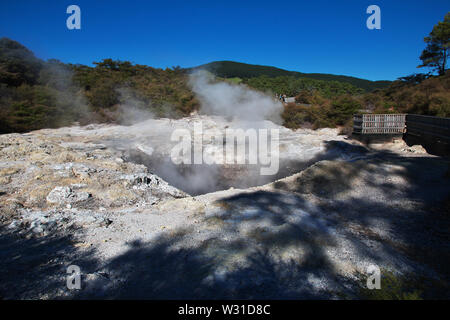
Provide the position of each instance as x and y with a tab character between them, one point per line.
37	94
231	69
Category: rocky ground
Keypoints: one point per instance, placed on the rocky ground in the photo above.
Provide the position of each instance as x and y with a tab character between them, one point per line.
99	197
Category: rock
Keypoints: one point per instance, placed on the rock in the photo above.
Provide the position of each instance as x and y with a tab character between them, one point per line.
416	149
82	170
105	222
65	195
10	209
145	149
59	195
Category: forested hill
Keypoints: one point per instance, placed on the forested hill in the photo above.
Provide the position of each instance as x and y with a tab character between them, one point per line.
231	69
38	94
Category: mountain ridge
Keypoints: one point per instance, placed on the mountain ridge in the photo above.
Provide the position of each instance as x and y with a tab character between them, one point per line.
232	69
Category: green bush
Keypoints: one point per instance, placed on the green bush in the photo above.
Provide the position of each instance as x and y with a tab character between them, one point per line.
104	95
343	109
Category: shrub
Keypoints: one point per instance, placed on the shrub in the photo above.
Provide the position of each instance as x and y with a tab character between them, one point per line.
304	97
343	109
295	116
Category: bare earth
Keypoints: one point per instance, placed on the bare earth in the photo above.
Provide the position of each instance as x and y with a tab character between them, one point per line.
78	196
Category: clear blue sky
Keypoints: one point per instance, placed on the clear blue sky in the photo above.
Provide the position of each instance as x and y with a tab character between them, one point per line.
307	36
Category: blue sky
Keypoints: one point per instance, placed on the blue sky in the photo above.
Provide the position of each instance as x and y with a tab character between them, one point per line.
307	36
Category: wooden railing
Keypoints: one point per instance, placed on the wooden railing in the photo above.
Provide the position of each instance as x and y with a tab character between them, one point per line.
379	123
427	126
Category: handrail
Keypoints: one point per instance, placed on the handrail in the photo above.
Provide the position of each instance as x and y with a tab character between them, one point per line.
400	123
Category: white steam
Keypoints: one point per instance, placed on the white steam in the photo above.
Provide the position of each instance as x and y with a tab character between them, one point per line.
150	141
233	101
132	109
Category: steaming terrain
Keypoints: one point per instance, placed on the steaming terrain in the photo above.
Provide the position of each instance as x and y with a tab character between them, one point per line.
109	199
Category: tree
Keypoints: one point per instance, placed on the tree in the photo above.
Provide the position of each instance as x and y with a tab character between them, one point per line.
343	109
436	53
414	78
304	97
17	64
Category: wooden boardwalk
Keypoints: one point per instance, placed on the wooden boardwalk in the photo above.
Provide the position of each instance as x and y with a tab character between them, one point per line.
427	126
379	123
433	133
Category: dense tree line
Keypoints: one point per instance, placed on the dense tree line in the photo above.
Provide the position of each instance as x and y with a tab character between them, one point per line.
417	94
38	94
292	86
231	69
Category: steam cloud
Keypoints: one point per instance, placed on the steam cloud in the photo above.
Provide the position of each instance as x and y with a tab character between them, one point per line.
68	94
131	109
243	107
233	101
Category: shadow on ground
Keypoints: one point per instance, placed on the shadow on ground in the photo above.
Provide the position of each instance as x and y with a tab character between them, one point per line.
274	244
35	267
